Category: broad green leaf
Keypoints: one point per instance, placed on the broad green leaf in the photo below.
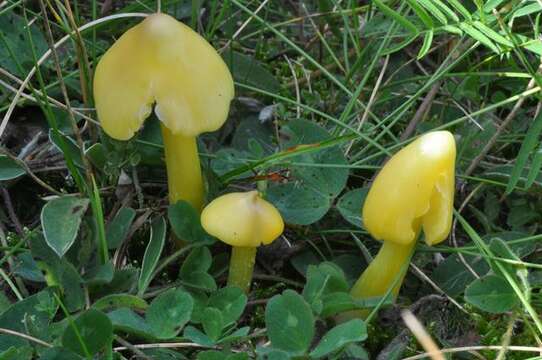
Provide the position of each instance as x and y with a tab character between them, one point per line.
120	301
350	205
118	228
452	276
492	294
340	336
152	254
60	219
185	222
212	323
9	169
290	323
247	70
231	302
28	308
128	321
94	333
59	353
15	52
169	312
195	269
298	205
196	336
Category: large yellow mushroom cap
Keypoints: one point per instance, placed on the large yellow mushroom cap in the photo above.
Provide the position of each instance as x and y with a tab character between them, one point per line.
242	219
162	61
414	190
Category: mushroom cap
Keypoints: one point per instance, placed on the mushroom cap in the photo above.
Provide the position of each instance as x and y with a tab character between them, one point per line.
162	61
414	190
242	219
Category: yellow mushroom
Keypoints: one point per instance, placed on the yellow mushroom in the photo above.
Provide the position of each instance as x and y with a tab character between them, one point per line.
164	63
414	191
245	221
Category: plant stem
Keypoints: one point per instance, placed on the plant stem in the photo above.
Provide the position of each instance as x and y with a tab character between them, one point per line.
183	169
241	267
382	273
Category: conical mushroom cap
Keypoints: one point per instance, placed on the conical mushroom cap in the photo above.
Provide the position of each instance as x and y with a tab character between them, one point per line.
414	190
242	219
162	61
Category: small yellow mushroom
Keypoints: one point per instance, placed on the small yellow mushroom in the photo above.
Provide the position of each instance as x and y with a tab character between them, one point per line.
163	62
413	191
245	221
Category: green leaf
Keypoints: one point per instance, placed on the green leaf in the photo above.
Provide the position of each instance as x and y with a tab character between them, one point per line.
421	13
350	205
298	205
231	302
479	36
26	308
492	294
396	16
247	70
452	276
185	222
169	312
340	336
212	322
118	228
290	323
434	10
196	336
194	271
94	332
427	42
60	219
527	147
9	169
120	301
126	320
323	279
59	353
218	355
71	147
21	353
317	177
152	253
14	43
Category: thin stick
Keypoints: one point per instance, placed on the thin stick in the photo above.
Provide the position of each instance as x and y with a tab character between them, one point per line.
476	348
24	336
421	334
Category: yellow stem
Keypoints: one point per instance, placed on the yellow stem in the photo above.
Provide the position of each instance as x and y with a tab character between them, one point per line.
241	267
183	169
381	274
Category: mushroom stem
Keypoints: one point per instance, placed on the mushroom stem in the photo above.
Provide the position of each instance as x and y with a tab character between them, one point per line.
241	267
185	181
381	274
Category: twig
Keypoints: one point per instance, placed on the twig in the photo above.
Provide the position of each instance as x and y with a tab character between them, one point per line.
11	211
476	348
24	336
29	172
421	334
422	110
129	346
